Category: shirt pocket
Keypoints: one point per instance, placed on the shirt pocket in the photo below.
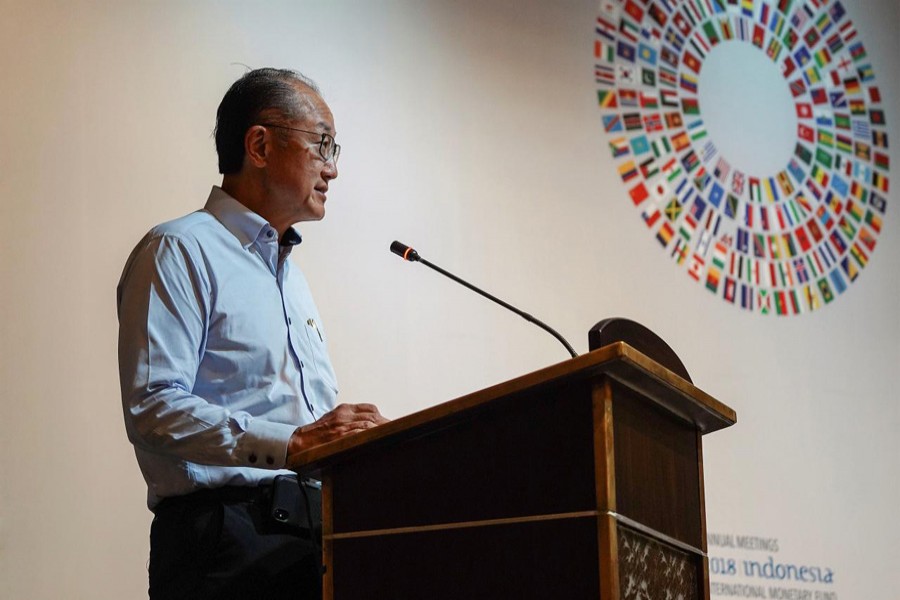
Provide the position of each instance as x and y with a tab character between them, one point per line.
318	352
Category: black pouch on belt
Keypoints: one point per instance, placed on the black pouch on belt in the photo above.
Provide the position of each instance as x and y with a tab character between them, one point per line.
296	504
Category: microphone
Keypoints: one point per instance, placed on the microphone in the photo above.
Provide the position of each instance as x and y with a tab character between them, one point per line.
407	253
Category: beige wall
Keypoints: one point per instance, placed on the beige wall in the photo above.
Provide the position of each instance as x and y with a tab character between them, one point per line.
469	130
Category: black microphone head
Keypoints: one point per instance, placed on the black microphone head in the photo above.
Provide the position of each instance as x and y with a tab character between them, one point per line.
404	251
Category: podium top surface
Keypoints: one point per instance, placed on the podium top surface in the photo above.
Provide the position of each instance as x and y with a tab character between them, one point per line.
618	361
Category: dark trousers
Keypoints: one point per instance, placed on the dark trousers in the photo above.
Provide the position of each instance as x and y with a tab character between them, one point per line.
223	544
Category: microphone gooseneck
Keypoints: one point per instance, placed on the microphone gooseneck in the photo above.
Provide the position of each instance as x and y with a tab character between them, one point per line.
408	253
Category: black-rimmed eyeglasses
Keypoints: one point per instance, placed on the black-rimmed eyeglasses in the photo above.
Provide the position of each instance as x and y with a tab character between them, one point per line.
328	148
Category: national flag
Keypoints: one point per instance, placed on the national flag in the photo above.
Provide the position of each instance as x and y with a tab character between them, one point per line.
668	97
877	202
658	15
668	77
639	145
712	35
604	75
835	43
861	129
800	17
691	61
773	51
612	123
874	94
669	57
696	130
811	37
822	57
731	206
628	97
851	84
606	28
634	11
632	121
675	39
776	25
825	138
790	39
695	269
784	182
648	77
681	141
647	53
796	171
716	194
648	101
837	279
839	185
674	120
842	121
648	168
819	96
805	132
788	67
876	116
650	214
759	36
801	57
690	161
660	146
689	83
837	98
803	153
880	182
866	74
690	106
879	138
680	250
625	75
882	161
673	210
701	179
671	170
638	193
626	51
857	51
629	30
737	182
725	28
665	233
652	123
604	51
862	150
797	87
607	99
873	221
628	171
619	147
812	75
804	110
823	24
722	169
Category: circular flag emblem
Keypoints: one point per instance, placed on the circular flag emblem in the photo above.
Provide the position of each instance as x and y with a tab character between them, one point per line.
786	241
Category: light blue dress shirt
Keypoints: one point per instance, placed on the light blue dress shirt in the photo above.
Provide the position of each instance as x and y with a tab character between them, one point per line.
222	354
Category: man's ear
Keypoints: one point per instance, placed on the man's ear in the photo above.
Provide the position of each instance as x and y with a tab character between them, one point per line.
256	145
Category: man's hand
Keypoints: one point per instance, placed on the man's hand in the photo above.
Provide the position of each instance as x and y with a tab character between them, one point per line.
346	419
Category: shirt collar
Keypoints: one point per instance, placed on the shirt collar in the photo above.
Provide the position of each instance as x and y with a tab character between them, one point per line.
246	225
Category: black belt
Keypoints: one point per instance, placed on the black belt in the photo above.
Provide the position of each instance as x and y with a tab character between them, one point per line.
224	495
283	501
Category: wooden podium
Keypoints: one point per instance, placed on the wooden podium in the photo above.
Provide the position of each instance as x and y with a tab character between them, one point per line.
580	480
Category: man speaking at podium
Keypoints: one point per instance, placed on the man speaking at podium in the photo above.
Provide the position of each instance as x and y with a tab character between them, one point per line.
222	357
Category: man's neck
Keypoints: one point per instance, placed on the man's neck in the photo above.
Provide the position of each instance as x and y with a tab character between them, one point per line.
251	195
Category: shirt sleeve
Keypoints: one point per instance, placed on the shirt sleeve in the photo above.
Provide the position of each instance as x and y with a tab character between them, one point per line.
164	312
